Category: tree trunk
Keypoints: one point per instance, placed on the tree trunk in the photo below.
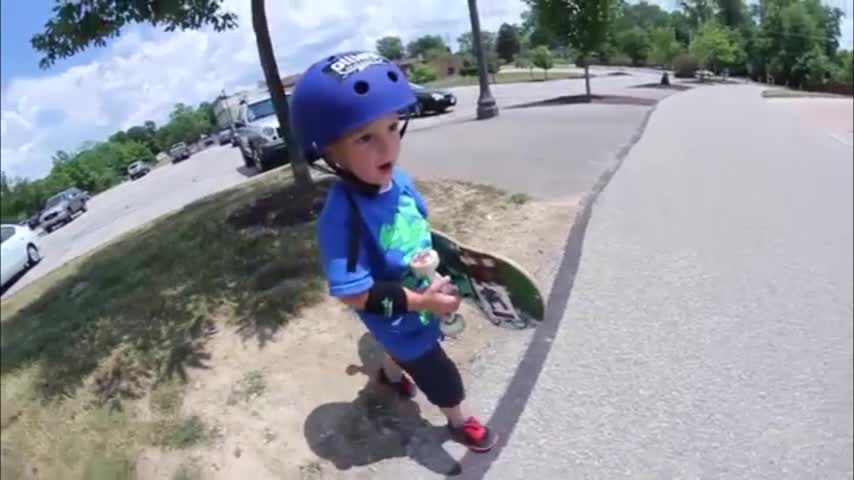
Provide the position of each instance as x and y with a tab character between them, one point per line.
302	177
587	80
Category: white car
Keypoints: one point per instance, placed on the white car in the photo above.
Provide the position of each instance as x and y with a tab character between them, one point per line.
18	250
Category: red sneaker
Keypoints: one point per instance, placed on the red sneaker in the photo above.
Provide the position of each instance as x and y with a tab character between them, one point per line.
475	436
405	388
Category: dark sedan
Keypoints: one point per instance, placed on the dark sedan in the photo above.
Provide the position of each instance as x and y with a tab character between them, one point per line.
430	100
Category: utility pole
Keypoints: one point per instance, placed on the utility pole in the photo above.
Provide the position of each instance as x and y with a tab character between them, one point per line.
486	106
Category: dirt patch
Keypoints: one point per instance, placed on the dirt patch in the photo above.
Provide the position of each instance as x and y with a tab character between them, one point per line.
282	208
307	405
594	99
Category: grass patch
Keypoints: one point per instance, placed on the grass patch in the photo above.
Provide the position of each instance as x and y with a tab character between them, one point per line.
789	93
187	472
250	386
503	77
83	348
173	434
81	344
519	198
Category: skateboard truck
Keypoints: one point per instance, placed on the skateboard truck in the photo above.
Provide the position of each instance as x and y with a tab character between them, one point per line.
425	264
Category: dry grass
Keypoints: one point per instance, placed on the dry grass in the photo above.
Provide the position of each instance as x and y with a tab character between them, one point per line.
96	355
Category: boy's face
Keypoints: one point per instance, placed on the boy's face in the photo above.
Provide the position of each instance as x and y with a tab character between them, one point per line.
370	152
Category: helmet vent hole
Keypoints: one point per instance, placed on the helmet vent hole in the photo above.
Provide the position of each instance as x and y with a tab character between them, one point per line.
361	87
392	76
332	58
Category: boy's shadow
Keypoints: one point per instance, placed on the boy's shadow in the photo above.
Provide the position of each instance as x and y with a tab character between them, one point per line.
377	425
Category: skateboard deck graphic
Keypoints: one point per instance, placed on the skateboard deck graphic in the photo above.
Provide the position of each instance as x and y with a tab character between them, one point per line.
504	291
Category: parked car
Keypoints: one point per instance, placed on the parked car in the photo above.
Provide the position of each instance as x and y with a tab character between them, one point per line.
61	208
430	100
225	136
179	151
258	134
18	251
35	220
138	169
207	140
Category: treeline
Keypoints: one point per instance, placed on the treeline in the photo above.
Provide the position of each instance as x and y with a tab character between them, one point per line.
786	42
99	166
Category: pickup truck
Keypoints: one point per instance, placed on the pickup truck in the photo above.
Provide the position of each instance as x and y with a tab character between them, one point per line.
179	151
258	134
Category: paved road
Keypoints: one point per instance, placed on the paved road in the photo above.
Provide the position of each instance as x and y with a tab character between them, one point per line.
545	151
833	115
709	331
131	204
508	94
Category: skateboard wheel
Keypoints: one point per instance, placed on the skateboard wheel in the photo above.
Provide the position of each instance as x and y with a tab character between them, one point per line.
453	325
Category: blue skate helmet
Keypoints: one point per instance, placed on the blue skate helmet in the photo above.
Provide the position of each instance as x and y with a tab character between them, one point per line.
341	93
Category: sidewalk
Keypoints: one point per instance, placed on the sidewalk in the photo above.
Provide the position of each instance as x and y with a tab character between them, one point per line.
709	330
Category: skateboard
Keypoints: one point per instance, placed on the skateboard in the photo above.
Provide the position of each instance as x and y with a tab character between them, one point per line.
506	293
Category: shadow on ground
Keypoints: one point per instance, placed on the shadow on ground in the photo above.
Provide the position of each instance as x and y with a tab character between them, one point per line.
594	99
247	172
377	425
673	86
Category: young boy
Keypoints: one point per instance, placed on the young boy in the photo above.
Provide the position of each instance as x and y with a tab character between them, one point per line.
344	109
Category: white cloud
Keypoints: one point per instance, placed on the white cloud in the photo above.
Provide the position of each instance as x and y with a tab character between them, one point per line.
145	72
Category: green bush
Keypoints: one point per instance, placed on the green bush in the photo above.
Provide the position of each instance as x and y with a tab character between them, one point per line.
423	73
621	59
685	65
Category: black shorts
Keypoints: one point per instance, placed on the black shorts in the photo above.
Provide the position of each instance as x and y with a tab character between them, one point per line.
437	376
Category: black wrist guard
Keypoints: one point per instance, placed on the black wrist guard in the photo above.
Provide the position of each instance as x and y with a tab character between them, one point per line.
386	298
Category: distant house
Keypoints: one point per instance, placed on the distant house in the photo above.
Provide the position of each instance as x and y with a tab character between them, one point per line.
445	65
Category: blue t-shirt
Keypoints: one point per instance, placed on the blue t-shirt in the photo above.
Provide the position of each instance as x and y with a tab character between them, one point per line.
394	229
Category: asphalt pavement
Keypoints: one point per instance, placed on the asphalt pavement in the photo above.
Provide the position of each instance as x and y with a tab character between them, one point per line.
709	330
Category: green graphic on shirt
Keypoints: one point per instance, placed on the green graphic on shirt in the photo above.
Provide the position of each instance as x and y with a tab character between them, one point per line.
409	231
387	306
408	234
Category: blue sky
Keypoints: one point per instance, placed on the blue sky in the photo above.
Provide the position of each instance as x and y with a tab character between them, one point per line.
143	73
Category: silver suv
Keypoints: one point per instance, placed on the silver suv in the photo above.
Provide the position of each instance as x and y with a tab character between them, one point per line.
138	169
258	134
61	208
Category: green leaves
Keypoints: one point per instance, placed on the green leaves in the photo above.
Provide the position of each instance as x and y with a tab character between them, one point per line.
713	46
77	25
541	57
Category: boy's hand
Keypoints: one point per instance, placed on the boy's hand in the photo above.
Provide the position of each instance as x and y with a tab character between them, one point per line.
441	297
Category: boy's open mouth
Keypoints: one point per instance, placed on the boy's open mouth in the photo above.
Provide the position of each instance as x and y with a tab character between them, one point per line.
386	167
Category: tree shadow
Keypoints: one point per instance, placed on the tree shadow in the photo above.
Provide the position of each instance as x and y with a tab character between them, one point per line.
247	172
143	307
657	85
377	425
593	99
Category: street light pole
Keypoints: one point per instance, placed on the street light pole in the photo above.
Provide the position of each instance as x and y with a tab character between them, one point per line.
486	106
